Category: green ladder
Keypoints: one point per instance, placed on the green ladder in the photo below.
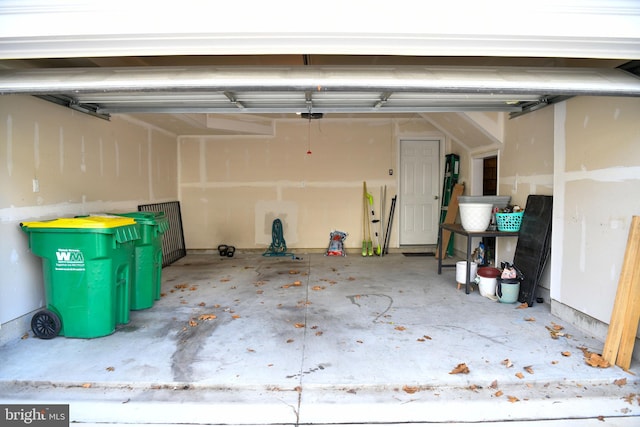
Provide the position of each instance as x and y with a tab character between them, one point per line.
451	174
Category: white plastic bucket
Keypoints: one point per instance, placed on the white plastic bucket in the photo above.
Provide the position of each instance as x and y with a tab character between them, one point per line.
487	280
487	286
461	272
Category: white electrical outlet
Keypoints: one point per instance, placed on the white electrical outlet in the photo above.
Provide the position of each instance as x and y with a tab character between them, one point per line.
36	185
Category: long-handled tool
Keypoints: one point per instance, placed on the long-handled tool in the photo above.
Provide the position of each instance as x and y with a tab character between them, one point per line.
367	202
387	236
376	223
364	219
383	200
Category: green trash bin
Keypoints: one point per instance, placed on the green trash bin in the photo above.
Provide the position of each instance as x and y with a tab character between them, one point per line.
147	280
87	267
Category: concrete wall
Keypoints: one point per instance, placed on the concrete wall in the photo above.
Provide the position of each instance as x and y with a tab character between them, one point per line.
232	188
597	191
82	165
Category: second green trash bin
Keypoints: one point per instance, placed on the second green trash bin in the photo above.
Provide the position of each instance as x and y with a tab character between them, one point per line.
86	264
147	280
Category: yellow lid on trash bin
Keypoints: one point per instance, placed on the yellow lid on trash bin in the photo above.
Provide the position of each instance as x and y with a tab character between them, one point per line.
82	222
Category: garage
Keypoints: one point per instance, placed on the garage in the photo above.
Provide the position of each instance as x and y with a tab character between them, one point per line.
242	127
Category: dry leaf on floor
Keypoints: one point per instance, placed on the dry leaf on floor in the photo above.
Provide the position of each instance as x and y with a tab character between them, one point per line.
299	325
25	336
183	302
630	397
250	350
554	362
216	306
235	316
520	375
297	283
193	323
181	286
289	341
555	331
410	389
620	382
400	328
529	369
317	288
566	353
207	317
529	319
594	359
523	305
494	384
285	286
513	399
293	272
460	369
474	387
202	304
193	288
259	292
498	393
507	363
351	278
597	361
111	369
319	333
225	280
86	385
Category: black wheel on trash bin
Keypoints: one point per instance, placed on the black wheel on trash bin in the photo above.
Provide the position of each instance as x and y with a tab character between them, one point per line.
46	324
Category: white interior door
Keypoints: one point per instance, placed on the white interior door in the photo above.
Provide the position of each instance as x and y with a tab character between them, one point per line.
419	192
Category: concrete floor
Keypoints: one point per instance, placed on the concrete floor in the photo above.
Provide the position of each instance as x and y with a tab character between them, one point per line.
323	340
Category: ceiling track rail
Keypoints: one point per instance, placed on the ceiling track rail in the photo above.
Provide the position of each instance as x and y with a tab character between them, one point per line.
65	101
529	107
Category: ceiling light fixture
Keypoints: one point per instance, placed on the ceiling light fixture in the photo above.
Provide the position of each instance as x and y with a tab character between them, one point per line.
312	116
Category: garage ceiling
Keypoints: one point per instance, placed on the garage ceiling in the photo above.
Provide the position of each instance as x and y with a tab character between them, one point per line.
423	59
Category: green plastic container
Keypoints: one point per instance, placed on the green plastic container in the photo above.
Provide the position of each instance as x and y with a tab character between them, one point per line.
87	265
147	281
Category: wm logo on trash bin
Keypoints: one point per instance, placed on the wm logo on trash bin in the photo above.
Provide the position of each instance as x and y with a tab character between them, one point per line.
69	260
69	255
